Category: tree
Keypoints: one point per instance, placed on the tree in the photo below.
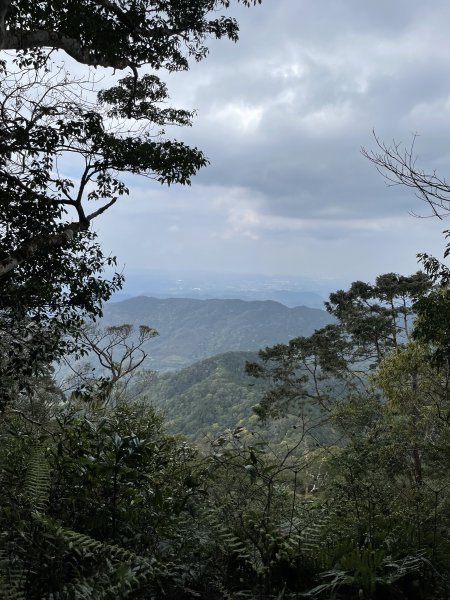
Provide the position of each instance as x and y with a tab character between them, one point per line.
37	130
379	316
119	353
371	321
50	261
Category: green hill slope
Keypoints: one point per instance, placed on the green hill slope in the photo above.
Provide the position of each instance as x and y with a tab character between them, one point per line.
210	395
216	394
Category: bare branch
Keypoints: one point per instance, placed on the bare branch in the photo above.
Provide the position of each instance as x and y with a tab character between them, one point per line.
398	167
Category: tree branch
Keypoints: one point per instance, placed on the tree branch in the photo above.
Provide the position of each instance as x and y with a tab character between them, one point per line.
23	40
29	248
101	210
398	167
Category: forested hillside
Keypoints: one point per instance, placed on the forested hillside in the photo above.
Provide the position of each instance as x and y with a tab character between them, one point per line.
216	394
207	397
191	330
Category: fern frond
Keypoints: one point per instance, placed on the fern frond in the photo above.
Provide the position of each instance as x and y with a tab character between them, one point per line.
13	557
85	544
123	571
37	480
117	581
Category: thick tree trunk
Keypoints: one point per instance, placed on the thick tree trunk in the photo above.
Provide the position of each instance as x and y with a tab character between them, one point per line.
23	40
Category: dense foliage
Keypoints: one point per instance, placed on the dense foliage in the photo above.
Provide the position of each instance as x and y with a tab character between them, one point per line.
216	394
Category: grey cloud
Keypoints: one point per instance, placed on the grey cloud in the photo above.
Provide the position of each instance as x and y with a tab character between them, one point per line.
282	116
289	159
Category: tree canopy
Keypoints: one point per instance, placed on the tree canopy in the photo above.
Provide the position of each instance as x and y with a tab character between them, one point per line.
372	320
66	147
119	34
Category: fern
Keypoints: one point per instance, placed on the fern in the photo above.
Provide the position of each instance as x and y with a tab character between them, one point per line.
109	583
314	539
228	539
15	547
120	571
367	570
11	573
37	480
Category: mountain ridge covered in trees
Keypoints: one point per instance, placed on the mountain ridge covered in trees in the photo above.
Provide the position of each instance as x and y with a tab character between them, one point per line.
191	330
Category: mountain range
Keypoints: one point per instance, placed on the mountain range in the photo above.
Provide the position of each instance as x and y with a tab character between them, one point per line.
191	330
289	290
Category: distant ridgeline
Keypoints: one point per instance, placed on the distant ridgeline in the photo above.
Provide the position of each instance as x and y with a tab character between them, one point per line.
191	330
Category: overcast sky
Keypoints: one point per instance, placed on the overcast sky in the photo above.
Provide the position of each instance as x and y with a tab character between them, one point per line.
282	116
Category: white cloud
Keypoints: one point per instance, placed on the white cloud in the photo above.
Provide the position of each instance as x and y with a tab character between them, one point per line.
240	117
